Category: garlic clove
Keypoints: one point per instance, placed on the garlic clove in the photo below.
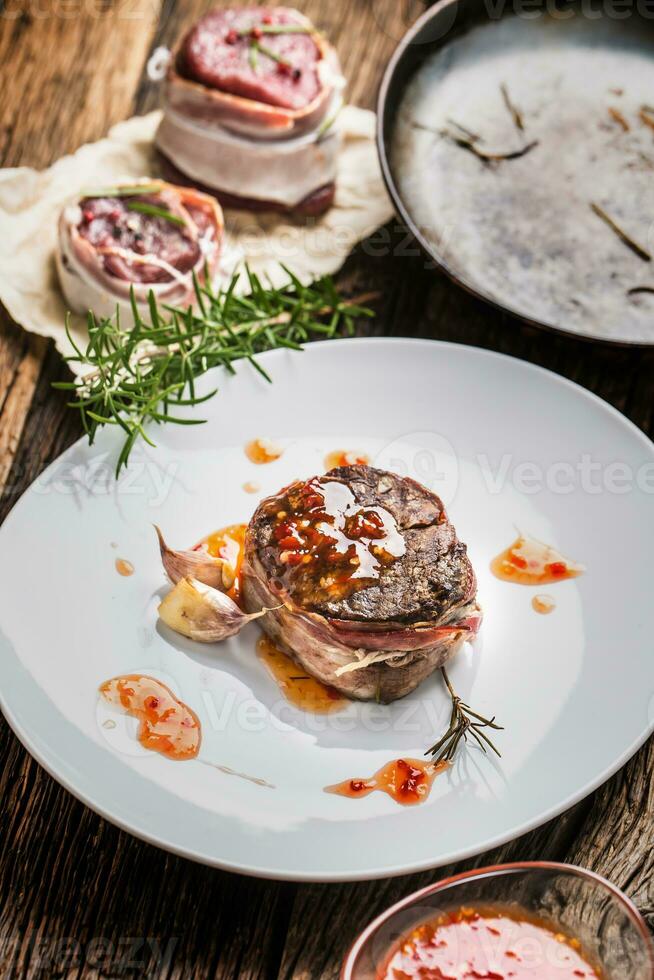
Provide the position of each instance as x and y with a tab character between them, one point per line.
203	613
205	568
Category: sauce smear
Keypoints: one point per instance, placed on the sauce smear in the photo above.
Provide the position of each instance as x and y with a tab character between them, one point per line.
167	725
305	692
487	943
345	457
228	543
325	544
407	781
263	451
124	567
530	562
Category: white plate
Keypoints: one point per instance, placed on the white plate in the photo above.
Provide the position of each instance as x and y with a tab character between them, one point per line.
506	444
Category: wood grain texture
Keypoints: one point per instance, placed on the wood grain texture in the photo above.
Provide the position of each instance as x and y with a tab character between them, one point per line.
79	898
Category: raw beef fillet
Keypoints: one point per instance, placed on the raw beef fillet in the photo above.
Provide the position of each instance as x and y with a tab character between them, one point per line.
250	100
123	238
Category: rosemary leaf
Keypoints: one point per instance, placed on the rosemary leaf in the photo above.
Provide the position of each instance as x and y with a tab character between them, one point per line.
125	191
156	212
136	374
460	727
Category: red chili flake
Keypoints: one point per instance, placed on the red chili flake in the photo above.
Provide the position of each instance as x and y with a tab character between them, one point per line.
256	33
414	779
557	567
290	543
267	19
152	703
291	558
88	215
518	560
357	785
231	37
283	68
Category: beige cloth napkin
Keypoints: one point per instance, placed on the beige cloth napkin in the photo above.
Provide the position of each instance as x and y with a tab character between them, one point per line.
30	202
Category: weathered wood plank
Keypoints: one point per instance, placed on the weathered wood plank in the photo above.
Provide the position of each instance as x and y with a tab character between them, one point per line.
69	73
617	837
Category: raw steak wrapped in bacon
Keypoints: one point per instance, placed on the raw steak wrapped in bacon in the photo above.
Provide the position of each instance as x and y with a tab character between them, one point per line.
376	590
145	236
249	99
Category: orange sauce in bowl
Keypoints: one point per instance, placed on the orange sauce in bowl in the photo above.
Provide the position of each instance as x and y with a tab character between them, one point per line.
407	781
487	943
530	562
305	692
167	725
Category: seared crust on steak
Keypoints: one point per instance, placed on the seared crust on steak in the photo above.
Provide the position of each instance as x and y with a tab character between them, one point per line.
377	590
434	576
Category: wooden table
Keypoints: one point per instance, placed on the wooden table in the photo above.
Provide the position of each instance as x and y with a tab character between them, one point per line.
79	898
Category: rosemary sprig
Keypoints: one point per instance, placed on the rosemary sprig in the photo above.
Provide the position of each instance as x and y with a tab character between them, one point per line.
277	29
464	722
124	191
156	212
513	111
269	53
622	235
140	374
471	146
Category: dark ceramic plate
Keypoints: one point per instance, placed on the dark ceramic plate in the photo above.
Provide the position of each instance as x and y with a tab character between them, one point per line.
517	144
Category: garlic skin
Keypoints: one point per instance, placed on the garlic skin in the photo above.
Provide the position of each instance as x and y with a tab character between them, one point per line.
197	565
202	613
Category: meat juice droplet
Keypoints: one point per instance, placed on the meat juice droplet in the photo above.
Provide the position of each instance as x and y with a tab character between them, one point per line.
345	457
407	781
530	562
487	942
261	451
124	567
543	604
167	725
302	690
251	487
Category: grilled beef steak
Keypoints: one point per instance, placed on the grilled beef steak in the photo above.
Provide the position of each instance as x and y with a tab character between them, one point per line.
149	240
246	96
377	590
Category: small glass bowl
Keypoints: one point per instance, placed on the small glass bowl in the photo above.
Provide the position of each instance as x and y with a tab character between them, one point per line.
613	935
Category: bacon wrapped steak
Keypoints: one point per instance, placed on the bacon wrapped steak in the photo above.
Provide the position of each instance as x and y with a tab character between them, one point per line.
248	98
145	236
376	589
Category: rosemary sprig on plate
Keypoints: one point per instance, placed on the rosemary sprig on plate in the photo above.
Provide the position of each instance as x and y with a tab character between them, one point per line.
141	373
464	722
